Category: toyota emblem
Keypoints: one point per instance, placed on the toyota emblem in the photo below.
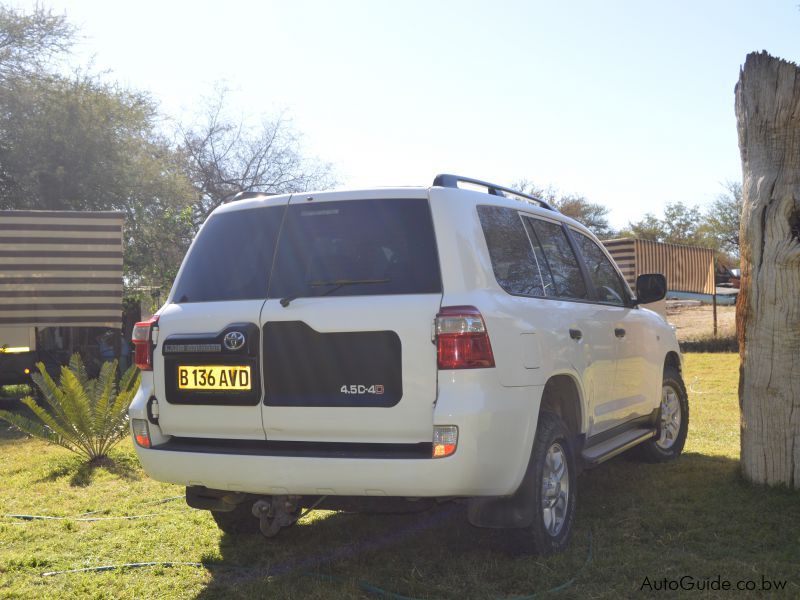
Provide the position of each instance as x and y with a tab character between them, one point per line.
233	340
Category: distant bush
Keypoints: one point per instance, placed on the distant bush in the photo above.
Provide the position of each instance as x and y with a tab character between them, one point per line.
86	416
724	343
15	391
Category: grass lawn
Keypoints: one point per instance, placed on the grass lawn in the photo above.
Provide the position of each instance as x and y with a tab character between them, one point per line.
694	517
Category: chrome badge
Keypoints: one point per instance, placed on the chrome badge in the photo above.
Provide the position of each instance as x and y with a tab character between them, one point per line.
233	340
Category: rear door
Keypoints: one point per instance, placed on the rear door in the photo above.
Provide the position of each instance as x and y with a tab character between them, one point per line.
346	329
630	397
207	366
580	323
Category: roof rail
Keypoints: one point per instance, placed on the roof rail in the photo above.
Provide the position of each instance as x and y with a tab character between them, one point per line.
245	195
452	181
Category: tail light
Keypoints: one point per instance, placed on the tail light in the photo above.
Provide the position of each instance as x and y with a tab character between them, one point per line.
462	341
142	339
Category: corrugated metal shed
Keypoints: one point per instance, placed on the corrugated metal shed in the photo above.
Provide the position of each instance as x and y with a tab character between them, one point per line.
687	268
61	268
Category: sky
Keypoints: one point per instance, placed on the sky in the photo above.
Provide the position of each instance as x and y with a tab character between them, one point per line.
628	103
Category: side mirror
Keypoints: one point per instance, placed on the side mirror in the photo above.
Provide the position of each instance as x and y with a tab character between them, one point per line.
650	287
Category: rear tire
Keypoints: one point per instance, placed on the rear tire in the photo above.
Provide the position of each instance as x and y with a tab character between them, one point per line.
553	490
673	425
238	521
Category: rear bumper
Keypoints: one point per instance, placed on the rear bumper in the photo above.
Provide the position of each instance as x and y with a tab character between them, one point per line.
272	475
495	439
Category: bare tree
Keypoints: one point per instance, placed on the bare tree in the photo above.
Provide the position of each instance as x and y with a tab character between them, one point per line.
224	157
768	309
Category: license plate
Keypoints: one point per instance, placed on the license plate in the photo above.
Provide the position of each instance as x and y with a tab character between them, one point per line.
214	377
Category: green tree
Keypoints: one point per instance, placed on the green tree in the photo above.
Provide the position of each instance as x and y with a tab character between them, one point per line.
31	41
594	216
82	144
681	224
648	227
723	218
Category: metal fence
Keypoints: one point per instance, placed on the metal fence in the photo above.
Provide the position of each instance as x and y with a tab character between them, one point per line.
61	268
687	268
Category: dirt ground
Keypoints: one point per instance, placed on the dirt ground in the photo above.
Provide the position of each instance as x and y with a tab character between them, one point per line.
695	322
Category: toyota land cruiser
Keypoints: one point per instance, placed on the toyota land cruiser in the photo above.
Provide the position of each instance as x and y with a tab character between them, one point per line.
391	348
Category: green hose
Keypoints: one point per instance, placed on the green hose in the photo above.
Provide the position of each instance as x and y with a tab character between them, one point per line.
365	586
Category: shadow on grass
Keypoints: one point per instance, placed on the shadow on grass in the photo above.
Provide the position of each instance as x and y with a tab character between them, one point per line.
82	472
317	558
694	515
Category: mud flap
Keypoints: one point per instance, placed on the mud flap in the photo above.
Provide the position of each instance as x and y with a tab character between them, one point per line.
503	512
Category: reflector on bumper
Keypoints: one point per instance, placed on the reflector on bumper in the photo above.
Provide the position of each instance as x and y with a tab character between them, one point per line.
141	432
445	440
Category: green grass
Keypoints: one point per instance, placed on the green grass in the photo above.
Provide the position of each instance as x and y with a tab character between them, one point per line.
691	517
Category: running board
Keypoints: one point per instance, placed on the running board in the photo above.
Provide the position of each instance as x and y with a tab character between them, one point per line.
618	444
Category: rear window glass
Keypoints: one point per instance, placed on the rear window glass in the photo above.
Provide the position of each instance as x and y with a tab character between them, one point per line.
513	262
231	257
357	248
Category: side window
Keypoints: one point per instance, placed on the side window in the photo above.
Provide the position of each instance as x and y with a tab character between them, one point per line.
561	262
609	285
510	251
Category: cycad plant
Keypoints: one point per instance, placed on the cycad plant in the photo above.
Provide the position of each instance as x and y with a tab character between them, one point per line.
86	416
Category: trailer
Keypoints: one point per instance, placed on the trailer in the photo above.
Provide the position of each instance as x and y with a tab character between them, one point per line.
689	270
60	288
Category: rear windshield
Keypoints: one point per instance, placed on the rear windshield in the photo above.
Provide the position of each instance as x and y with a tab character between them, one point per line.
357	248
231	257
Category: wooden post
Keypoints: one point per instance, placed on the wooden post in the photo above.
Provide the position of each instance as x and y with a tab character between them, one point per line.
714	295
768	308
714	304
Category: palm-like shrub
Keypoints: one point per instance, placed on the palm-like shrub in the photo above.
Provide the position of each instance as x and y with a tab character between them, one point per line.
86	416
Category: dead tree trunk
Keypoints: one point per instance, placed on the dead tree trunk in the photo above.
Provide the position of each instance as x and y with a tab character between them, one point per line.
768	309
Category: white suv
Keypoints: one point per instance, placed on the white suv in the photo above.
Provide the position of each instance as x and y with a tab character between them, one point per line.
392	348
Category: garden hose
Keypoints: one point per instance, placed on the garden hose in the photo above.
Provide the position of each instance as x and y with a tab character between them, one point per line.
85	519
363	585
122	566
85	516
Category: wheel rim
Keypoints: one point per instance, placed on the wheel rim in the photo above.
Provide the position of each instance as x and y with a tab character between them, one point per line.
670	417
555	489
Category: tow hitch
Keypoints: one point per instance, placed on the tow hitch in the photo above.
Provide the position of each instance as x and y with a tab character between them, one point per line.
276	513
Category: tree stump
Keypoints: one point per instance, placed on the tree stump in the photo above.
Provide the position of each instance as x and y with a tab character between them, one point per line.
768	308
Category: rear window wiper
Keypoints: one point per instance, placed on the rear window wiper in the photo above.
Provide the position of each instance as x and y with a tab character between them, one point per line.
335	285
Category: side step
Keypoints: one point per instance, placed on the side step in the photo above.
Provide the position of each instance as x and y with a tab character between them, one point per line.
602	451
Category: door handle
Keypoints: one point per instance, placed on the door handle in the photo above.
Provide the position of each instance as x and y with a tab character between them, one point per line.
575	334
619	332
